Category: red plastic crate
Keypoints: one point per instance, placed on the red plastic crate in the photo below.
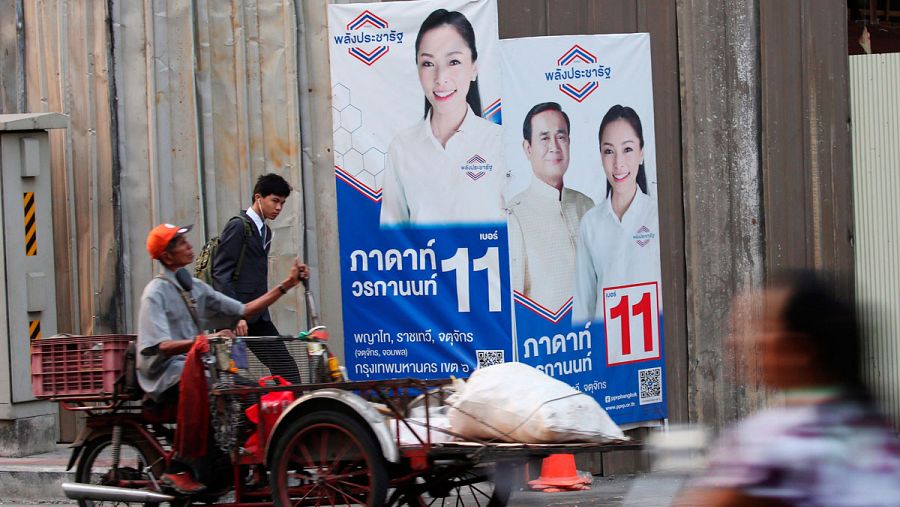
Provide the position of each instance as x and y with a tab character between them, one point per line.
77	365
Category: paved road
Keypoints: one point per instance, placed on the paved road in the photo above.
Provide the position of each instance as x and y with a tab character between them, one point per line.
622	491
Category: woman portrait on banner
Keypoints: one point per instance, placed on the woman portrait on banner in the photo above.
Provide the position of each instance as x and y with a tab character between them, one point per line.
618	240
448	168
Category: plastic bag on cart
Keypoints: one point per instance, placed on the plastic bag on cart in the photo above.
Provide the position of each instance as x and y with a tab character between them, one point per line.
414	430
514	402
266	413
426	418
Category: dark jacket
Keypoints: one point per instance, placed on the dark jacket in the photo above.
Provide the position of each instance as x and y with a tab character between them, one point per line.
254	275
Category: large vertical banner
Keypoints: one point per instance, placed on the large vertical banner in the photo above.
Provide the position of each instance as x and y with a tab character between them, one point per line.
583	223
420	177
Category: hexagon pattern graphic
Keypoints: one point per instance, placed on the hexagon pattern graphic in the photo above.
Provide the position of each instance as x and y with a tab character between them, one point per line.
353	162
340	97
335	119
373	161
351	118
353	151
342	141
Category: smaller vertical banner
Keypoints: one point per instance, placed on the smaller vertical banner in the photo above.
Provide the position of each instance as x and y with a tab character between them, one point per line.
583	224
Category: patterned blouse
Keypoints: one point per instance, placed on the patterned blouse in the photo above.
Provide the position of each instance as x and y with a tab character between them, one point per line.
832	451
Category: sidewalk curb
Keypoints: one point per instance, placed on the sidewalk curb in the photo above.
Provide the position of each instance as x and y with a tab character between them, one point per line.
36	478
33	483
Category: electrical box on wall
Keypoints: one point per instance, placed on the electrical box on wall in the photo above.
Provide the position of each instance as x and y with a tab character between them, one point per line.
27	280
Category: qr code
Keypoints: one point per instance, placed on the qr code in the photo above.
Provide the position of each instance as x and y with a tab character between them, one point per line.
489	357
650	381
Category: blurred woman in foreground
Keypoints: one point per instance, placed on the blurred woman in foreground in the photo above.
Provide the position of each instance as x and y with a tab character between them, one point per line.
826	445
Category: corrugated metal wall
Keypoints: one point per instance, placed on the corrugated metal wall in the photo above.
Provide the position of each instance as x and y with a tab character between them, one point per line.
875	117
207	102
67	70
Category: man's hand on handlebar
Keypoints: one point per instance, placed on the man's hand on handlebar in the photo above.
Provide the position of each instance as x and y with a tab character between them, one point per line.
299	271
225	333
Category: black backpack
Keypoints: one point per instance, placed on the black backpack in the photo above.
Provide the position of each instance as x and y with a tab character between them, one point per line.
204	263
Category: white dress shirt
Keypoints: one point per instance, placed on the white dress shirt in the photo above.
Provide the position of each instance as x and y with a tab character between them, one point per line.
260	226
612	253
426	183
543	229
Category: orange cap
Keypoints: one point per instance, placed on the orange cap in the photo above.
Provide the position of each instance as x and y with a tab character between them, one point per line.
161	235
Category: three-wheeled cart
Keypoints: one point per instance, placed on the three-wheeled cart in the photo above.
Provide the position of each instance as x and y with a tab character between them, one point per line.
320	442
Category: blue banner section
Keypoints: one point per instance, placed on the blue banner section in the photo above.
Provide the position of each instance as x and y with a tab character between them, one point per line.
630	391
426	302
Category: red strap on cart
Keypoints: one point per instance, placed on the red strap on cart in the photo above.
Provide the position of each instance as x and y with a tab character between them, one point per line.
192	431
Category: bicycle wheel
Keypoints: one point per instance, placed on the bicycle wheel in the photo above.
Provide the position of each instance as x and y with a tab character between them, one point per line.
95	465
327	458
483	486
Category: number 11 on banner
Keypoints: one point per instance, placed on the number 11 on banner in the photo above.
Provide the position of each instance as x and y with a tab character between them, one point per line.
631	314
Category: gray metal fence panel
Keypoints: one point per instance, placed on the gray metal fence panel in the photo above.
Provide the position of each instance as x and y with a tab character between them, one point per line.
875	120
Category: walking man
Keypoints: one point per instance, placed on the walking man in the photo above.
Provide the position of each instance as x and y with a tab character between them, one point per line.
241	270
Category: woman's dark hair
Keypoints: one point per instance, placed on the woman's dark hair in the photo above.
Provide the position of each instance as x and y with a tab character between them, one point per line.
814	310
462	26
619	112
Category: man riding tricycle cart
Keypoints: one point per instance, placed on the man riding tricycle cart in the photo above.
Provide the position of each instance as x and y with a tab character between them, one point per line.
173	415
324	443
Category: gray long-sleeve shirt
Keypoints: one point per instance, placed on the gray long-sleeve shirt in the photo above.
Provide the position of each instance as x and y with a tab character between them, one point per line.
164	316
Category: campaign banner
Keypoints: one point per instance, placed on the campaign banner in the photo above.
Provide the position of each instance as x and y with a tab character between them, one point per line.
418	160
583	221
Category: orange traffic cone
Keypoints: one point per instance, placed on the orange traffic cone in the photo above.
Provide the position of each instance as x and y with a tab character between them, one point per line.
558	473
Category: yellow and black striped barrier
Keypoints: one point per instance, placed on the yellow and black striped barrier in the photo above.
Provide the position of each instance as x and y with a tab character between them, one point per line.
30	225
34	329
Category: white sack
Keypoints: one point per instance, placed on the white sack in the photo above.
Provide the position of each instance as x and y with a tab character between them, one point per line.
514	402
416	429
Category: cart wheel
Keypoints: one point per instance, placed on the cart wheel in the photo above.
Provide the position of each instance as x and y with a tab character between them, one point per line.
327	458
135	455
483	485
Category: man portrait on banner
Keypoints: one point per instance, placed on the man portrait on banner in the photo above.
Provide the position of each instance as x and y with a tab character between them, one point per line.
544	218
